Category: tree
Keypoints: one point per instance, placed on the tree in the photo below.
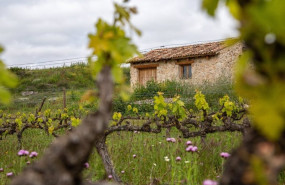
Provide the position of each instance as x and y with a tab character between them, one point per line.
261	156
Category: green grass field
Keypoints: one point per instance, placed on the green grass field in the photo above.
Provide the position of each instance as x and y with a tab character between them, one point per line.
149	165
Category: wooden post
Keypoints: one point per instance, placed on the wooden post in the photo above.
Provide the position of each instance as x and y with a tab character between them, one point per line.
64	104
64	98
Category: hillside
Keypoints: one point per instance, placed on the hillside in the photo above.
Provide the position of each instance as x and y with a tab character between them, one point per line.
37	84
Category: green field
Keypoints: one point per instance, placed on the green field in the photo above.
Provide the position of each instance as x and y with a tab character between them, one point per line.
147	167
150	165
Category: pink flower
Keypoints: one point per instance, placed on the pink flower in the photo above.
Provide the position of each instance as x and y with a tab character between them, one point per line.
225	155
189	143
195	149
110	176
192	148
171	139
23	152
10	174
33	154
86	165
178	158
28	162
189	148
209	182
1	169
134	156
135	132
122	171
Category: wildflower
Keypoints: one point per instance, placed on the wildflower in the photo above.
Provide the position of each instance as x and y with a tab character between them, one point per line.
1	169
189	148
178	158
166	159
23	152
154	164
33	154
135	132
122	171
225	155
86	165
171	139
10	174
28	162
110	176
189	143
192	148
134	156
186	162
209	182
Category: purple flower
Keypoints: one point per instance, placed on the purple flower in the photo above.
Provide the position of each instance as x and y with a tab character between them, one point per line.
209	182
1	169
23	152
110	176
33	154
135	132
189	148
225	155
86	165
178	158
10	174
134	156
189	143
192	148
122	171
171	139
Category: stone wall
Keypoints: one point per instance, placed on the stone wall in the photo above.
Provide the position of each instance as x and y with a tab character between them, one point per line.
204	69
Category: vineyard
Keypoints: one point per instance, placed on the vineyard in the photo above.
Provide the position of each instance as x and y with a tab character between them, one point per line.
161	138
171	122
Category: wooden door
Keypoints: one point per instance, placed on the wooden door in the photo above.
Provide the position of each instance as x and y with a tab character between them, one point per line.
147	74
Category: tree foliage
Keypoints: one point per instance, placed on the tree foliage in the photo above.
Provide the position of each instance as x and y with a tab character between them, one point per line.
263	30
7	80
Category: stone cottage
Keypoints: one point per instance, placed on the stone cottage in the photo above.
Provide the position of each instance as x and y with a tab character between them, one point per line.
193	63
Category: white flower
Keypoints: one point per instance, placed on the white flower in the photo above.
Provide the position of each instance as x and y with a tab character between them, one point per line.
187	162
166	158
154	164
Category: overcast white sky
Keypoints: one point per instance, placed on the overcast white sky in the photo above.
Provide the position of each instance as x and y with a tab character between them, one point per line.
33	31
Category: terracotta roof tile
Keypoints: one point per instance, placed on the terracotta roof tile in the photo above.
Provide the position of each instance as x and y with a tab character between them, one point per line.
190	51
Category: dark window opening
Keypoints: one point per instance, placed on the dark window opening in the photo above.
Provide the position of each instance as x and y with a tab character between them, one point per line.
186	71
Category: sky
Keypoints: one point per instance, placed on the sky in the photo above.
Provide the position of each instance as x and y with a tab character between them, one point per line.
36	31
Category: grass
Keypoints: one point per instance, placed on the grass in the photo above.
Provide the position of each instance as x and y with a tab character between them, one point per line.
147	167
76	76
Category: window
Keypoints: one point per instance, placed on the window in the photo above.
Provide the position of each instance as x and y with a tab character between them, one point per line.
186	71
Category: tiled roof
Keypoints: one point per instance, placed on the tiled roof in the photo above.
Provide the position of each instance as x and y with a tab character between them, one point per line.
190	51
